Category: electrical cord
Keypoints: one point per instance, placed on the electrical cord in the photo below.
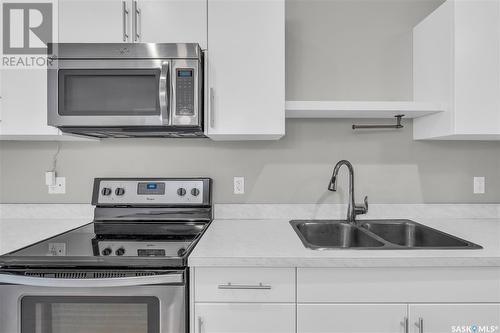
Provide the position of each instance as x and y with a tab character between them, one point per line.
54	158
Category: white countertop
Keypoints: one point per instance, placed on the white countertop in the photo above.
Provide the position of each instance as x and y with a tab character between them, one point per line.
260	234
274	243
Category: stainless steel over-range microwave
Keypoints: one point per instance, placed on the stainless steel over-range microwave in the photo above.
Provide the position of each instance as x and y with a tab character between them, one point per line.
126	90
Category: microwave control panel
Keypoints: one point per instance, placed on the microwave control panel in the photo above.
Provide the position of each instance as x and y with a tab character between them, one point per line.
184	94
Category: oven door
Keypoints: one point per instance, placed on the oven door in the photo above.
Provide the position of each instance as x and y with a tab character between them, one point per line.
140	304
109	93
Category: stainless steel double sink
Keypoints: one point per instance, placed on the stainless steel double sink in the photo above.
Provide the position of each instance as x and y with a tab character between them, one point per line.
375	235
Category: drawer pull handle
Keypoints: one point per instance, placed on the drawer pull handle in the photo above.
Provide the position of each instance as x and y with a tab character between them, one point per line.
259	286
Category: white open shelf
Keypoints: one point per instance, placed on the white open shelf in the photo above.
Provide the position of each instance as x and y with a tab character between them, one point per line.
354	109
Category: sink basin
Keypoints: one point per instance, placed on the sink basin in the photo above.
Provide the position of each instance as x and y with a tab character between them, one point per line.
414	235
333	234
375	234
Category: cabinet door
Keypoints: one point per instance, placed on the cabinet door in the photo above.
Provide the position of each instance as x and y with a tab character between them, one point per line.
171	21
244	318
246	61
455	318
24	103
84	21
355	318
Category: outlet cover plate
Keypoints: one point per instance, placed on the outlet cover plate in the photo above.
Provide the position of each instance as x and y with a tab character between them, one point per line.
239	185
59	187
479	185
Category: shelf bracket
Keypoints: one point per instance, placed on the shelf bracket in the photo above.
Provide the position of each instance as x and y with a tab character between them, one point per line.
398	124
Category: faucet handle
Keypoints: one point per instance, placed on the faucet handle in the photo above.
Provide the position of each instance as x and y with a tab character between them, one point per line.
361	209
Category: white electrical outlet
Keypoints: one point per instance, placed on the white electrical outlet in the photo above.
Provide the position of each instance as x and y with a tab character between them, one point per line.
239	185
479	185
57	249
59	187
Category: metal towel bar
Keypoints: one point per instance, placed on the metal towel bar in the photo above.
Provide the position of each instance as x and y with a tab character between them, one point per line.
398	124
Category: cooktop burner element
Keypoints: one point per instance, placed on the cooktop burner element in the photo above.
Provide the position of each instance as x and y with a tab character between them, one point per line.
152	222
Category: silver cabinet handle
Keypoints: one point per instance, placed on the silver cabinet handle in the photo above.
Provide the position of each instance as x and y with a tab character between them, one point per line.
124	19
420	325
137	14
92	283
212	107
406	325
200	324
164	93
259	286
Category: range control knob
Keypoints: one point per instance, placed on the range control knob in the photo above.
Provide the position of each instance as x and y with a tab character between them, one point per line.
195	192
106	191
106	252
120	251
120	191
181	191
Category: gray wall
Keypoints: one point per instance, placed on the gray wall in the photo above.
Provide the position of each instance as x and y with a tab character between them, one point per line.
358	50
390	166
352	49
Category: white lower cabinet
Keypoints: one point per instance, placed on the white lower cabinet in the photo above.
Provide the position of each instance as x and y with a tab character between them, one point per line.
244	318
355	318
347	300
454	318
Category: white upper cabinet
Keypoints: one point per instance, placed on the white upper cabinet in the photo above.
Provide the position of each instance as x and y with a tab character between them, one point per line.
83	21
246	69
171	21
24	104
145	21
23	91
456	56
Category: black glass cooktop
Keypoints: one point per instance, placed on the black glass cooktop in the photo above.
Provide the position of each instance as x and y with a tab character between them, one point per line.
159	245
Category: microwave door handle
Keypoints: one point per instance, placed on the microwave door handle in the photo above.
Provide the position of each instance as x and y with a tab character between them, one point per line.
92	283
164	93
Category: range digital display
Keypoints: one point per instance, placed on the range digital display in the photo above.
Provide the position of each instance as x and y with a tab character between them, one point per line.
151	188
151	252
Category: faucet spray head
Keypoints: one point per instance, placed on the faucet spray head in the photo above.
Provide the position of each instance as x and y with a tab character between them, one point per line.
332	186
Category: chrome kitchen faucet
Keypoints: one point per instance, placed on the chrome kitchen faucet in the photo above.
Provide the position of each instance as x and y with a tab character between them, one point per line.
352	208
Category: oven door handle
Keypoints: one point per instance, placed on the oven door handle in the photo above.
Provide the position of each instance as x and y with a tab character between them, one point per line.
164	93
166	279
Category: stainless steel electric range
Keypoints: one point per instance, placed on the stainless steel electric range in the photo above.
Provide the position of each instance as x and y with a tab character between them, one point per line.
126	272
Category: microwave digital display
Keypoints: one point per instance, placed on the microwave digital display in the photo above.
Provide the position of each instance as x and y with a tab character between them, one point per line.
185	73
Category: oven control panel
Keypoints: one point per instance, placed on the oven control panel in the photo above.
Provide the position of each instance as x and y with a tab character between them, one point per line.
166	191
116	248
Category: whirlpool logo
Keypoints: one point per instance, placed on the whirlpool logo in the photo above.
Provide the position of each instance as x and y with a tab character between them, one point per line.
474	328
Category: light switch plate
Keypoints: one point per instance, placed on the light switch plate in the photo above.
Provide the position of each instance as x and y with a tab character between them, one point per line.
479	185
59	187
